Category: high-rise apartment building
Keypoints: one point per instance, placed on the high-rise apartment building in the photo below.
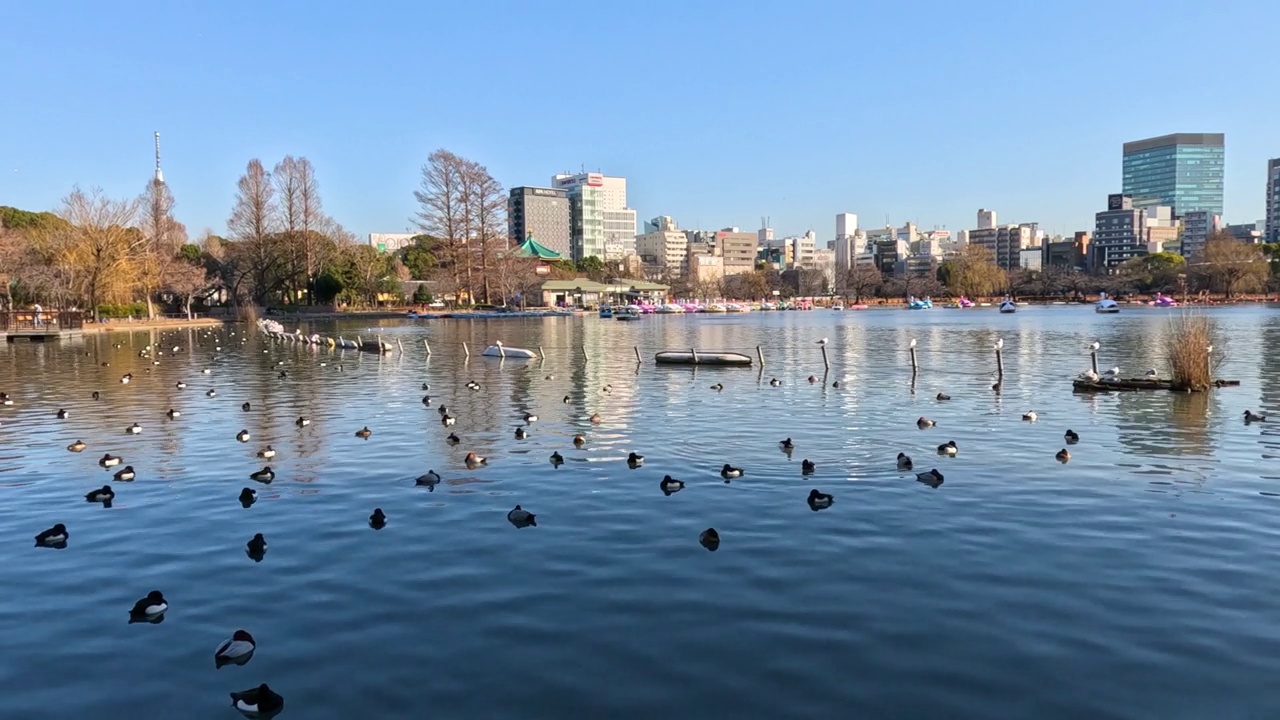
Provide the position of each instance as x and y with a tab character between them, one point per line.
1183	171
542	213
1119	233
1005	243
986	219
601	224
846	229
663	248
1197	226
1271	231
738	250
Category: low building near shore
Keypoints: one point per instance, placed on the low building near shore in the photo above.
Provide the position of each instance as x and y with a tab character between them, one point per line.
585	292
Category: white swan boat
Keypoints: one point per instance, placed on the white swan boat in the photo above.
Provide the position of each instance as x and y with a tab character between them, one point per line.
1106	305
1008	306
499	350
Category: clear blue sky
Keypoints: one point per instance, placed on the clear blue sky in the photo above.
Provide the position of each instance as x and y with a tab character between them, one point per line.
716	112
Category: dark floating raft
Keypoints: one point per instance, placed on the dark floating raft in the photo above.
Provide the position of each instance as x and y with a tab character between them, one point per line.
701	357
1139	384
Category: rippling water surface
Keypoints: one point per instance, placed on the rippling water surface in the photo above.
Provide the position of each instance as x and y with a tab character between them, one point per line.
1138	580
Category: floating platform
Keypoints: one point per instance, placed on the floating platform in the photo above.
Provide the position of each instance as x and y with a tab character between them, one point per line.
700	357
1133	384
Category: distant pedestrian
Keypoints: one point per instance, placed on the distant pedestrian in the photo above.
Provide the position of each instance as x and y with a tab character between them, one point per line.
38	310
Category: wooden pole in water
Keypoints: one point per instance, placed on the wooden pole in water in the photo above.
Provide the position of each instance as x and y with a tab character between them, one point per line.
1093	356
695	355
541	354
466	350
760	355
426	345
502	352
915	366
359	343
826	364
999	366
400	345
637	349
584	353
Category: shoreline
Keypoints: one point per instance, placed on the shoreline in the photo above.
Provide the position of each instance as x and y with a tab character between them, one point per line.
167	324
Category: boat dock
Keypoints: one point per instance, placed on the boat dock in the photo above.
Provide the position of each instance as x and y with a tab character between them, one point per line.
41	326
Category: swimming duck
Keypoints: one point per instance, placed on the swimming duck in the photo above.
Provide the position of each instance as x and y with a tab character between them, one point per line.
453	439
53	537
530	418
472	385
211	393
126	474
775	382
124	379
949	448
1251	417
431	479
302	422
106	364
448	420
96	395
1071	437
942	397
235	650
267	452
242	436
933	478
257	702
62	414
813	379
595	418
426	400
134	429
635	460
425	387
1030	416
378	519
579	440
109	460
181	385
549	377
284	374
556	459
709	539
364	432
5	399
246	407
670	485
521	433
904	462
717	387
265	475
924	423
150	607
728	472
607	389
248	496
835	384
173	414
103	495
77	446
522	518
256	547
565	400
443	410
474	461
1062	455
786	444
819	500
807	467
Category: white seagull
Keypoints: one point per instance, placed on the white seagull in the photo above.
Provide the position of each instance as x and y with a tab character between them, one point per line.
823	341
1094	346
1000	344
913	343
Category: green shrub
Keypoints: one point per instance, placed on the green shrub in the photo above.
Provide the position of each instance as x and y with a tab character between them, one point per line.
124	310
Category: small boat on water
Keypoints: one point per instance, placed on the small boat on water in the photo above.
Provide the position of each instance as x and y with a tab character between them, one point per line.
914	303
717	308
1106	305
630	312
962	303
737	307
838	307
606	311
499	350
1008	306
701	357
670	309
1163	300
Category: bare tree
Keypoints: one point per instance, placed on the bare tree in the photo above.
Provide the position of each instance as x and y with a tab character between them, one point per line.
441	211
862	280
252	224
93	251
302	221
486	204
185	281
162	234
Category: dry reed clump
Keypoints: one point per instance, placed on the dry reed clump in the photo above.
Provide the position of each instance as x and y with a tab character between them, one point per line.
1192	356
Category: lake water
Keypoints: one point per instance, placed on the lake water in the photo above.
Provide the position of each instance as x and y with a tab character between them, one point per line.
1136	581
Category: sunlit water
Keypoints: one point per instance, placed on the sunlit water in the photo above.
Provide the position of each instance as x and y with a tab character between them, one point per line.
1137	581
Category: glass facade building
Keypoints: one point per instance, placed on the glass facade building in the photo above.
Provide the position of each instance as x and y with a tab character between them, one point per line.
1271	225
1183	171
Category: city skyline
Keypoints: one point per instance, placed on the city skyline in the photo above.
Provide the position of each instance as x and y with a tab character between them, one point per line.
776	141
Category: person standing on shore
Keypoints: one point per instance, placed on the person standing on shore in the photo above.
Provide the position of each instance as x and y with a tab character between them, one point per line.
38	311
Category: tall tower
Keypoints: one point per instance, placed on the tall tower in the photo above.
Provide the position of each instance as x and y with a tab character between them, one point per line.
159	173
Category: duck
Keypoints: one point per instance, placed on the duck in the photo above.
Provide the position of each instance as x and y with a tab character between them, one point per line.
835	384
530	418
474	461
608	388
257	702
248	496
62	414
267	453
364	432
443	410
5	399
211	393
565	400
242	436
173	414
932	478
109	460
1062	455
378	519
284	374
775	382
426	401
426	387
949	448
265	475
453	439
728	472
103	494
77	446
521	433
96	395
718	387
522	518
246	407
924	423
808	467
257	546
125	474
1030	416
134	429
709	539
556	459
431	479
942	397
448	420
54	536
595	418
904	461
813	379
150	607
634	460
124	379
1071	437
1251	417
235	650
579	440
302	422
473	385
670	485
786	444
549	377
819	500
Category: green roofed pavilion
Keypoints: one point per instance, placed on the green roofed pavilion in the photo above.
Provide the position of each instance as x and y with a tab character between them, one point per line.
531	248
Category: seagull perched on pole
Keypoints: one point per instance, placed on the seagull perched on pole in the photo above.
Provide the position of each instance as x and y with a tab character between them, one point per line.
1094	346
823	341
913	343
1000	344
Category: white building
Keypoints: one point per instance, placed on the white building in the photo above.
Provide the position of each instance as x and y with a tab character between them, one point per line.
825	261
602	224
664	248
986	219
802	249
846	228
390	242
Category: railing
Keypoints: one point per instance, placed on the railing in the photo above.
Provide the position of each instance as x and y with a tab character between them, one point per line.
42	321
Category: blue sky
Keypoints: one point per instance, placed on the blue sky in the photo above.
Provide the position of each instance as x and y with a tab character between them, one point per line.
717	112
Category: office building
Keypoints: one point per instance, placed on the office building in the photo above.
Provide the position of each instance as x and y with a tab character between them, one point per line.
1244	232
1271	223
601	224
846	229
764	237
738	250
986	219
1005	243
1064	252
1118	233
1183	171
390	242
1031	259
540	213
802	249
1197	226
663	248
